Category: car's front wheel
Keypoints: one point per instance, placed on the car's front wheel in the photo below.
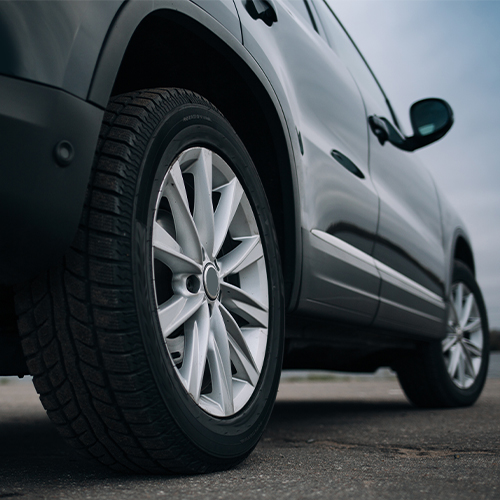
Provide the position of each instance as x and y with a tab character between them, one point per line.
156	345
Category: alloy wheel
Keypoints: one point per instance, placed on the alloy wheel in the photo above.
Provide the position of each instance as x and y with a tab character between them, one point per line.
210	281
463	346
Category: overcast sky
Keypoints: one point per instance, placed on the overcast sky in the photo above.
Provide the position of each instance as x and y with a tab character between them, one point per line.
448	49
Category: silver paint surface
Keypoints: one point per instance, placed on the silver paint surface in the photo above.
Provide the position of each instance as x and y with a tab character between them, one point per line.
394	214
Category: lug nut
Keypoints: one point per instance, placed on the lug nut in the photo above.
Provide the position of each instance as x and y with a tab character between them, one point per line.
193	284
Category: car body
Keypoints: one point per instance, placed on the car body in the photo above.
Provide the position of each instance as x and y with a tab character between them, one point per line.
367	242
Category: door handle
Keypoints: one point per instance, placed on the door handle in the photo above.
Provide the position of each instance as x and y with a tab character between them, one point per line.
346	163
263	10
379	128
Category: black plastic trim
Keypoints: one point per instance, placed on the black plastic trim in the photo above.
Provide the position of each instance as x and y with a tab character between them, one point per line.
41	202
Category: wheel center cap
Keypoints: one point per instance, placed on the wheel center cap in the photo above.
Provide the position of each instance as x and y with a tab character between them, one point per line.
211	282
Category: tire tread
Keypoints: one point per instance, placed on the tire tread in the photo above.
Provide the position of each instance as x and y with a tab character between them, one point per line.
77	320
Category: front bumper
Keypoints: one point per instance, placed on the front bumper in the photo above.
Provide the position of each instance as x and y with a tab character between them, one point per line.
40	200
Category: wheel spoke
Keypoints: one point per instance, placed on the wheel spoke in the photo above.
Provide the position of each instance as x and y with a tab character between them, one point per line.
220	363
449	342
469	365
231	194
454	358
186	232
177	311
473	326
241	303
247	252
196	333
203	209
455	319
245	370
461	366
253	256
469	302
236	336
168	251
472	348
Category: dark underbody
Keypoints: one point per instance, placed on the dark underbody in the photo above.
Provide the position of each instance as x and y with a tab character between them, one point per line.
310	344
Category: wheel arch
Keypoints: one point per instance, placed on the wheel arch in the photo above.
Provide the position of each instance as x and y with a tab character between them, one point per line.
463	253
460	249
229	78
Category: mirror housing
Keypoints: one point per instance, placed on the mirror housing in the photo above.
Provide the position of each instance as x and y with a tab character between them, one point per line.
430	119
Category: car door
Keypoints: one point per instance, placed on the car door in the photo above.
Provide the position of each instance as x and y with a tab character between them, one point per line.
409	250
325	113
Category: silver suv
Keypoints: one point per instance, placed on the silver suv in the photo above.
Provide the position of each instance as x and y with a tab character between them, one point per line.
180	180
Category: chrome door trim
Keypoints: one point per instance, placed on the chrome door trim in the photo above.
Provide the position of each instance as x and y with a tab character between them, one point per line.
352	255
348	253
401	281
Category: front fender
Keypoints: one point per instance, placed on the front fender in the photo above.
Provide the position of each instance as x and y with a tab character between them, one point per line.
55	43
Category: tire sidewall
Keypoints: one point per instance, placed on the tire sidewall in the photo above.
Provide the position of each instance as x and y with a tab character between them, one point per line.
187	126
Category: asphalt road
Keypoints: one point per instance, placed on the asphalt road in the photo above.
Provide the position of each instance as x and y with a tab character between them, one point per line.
342	438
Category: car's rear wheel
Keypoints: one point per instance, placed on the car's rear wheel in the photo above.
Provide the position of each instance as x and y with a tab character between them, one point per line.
156	345
451	372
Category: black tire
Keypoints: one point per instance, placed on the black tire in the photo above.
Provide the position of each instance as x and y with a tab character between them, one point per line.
425	376
90	327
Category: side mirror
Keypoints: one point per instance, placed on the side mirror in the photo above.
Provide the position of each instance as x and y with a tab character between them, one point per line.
431	119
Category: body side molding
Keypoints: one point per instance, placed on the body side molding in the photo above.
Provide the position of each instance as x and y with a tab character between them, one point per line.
386	273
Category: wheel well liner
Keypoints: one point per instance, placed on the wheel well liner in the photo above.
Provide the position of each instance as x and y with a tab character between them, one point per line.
170	49
463	253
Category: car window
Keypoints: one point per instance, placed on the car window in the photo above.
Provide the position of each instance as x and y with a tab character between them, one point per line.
342	44
302	8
